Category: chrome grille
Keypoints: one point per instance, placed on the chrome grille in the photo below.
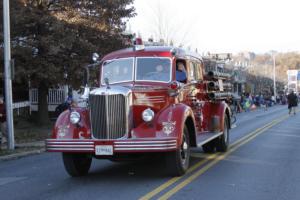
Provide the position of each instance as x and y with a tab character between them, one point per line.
108	116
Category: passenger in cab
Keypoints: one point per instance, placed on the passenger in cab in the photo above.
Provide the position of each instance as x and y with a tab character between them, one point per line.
180	72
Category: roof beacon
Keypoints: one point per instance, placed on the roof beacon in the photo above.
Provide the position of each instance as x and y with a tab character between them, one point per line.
138	44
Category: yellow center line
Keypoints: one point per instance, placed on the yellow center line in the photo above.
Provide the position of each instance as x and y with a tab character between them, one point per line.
199	164
219	158
175	179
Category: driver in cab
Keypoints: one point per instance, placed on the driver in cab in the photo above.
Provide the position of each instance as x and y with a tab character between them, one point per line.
180	73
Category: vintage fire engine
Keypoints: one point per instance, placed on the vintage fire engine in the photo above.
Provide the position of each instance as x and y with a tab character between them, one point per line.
139	107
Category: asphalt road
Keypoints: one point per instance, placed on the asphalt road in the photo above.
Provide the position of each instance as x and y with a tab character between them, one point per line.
262	163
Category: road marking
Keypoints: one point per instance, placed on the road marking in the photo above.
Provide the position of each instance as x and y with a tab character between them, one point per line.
7	180
216	156
287	135
175	179
219	158
241	160
288	128
279	131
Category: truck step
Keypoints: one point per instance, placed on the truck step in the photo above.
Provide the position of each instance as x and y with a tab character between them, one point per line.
233	125
205	137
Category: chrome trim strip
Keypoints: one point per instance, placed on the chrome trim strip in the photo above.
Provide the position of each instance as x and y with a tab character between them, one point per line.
145	102
145	142
151	98
71	149
75	142
67	146
154	100
137	149
145	145
107	118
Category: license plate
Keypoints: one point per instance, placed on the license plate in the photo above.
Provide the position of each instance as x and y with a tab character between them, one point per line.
104	150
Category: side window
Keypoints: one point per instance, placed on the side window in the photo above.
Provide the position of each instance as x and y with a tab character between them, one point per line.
199	70
191	71
195	72
181	73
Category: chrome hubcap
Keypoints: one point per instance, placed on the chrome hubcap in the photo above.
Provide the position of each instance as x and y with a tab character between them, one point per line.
225	133
184	150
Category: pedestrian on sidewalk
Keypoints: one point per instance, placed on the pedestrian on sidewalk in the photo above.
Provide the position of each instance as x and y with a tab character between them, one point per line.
3	125
292	102
267	100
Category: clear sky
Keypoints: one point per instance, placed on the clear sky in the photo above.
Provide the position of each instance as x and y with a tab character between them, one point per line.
221	25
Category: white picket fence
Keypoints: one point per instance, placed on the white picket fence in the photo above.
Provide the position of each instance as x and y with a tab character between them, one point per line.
54	98
19	105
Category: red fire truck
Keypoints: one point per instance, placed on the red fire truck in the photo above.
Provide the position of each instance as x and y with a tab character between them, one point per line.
150	99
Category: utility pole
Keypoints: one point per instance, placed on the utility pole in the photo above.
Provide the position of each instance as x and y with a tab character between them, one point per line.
7	76
274	74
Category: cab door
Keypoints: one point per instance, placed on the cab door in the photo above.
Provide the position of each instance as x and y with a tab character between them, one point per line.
196	90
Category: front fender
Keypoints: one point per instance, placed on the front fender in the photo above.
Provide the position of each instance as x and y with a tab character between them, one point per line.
168	123
64	129
177	113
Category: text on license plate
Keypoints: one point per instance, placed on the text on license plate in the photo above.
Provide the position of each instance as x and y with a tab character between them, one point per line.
104	150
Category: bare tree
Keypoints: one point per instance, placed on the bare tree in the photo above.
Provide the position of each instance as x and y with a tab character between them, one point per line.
169	28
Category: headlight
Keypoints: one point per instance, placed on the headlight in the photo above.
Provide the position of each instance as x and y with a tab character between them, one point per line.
74	117
148	115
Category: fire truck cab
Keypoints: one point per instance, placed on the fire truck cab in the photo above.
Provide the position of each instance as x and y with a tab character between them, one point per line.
149	100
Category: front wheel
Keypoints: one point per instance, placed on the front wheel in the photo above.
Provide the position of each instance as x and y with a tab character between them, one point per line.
222	142
178	161
77	164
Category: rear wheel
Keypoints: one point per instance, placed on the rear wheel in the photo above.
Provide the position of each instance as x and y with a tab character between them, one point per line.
178	161
222	142
209	147
77	164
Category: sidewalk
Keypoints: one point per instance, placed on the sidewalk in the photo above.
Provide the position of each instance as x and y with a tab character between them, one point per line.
21	150
29	139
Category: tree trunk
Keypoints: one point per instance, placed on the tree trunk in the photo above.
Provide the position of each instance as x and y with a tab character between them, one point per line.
43	115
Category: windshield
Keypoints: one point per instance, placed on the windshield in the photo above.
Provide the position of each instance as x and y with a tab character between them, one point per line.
153	69
120	70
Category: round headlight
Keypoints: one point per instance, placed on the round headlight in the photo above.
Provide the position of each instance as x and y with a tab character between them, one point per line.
148	115
74	117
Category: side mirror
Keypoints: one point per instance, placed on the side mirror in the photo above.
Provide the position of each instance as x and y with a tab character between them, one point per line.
85	76
86	93
95	57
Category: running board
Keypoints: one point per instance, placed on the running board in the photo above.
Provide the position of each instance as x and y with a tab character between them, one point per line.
233	125
203	138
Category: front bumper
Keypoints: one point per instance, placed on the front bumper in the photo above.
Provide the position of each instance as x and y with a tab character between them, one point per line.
119	146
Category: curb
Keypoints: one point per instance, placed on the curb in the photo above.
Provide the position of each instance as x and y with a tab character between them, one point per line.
21	154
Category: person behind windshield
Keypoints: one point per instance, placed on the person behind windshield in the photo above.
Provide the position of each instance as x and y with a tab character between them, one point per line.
180	73
160	74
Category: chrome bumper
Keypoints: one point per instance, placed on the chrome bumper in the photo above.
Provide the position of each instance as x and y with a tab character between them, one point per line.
119	146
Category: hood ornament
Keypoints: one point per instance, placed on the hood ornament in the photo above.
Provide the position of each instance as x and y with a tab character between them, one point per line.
106	81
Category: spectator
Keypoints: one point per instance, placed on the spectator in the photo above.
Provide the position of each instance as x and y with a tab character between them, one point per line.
292	102
267	99
247	103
